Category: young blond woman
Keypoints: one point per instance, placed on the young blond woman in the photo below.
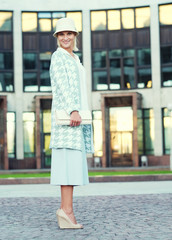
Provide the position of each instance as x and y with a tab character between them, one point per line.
69	143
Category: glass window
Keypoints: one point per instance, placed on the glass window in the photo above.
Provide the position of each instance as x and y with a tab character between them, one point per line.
140	131
99	59
77	17
98	20
114	21
128	52
167	126
56	16
143	57
165	16
6	82
29	61
127	18
100	80
5	21
149	131
144	78
166	76
29	22
30	82
11	134
45	84
47	121
142	17
97	133
44	19
45	60
129	74
6	60
115	74
29	133
166	54
115	53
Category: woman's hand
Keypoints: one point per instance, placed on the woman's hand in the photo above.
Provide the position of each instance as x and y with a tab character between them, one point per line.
75	119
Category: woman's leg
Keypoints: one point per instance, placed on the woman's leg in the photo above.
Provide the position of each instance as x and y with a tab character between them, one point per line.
67	201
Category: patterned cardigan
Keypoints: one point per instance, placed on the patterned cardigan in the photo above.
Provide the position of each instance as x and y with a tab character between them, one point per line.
65	83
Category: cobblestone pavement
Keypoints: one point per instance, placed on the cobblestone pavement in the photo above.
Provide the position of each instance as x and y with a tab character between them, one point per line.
117	217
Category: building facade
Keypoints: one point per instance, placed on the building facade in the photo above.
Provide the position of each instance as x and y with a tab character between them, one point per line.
126	48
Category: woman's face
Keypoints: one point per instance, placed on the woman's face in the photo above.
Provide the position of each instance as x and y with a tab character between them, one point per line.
66	40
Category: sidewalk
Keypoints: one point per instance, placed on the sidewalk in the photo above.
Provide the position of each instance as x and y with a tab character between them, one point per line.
108	211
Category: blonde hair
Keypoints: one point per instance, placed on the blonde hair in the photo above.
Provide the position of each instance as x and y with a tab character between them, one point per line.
75	48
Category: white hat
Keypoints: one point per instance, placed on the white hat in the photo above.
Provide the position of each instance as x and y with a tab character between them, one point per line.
65	24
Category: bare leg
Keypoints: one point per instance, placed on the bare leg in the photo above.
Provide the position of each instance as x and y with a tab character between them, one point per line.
67	201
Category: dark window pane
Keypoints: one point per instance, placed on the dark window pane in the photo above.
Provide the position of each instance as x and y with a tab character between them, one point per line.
128	52
115	53
29	60
6	82
166	54
129	73
45	60
143	57
167	76
115	74
6	61
45	81
100	80
149	135
5	21
30	82
99	59
144	78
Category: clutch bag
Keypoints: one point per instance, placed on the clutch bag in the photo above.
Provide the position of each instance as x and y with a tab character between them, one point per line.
62	118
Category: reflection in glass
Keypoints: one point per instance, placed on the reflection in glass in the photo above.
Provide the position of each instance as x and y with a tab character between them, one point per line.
5	21
128	52
11	134
100	80
166	54
114	22
165	16
77	17
149	131
166	76
47	150
121	127
167	125
29	61
99	59
29	22
127	18
143	56
28	134
6	82
129	73
6	60
45	60
115	53
46	121
98	20
142	17
44	25
115	74
45	81
97	133
144	78
30	82
140	132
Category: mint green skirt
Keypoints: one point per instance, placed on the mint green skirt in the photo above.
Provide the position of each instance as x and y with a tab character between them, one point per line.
69	167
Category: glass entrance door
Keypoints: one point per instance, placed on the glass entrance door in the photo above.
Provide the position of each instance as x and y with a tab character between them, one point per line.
46	151
121	136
